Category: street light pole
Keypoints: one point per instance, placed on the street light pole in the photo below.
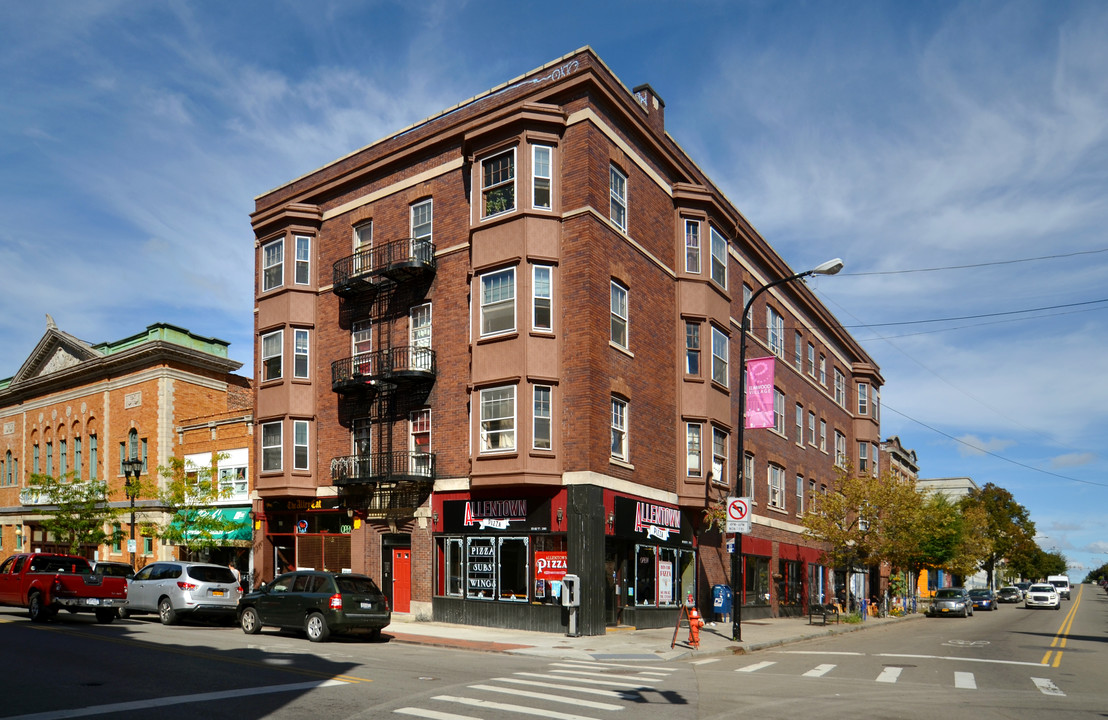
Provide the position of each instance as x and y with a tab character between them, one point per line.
830	267
132	469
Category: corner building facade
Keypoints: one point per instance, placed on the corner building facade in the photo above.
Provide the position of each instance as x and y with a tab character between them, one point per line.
496	347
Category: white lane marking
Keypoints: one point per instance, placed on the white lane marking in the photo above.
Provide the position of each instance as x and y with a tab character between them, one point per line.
965	681
586	663
819	671
819	652
176	700
755	667
704	662
507	707
591	681
889	675
547	696
617	694
1047	686
957	659
433	714
623	678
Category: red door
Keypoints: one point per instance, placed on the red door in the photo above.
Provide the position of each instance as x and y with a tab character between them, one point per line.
402	580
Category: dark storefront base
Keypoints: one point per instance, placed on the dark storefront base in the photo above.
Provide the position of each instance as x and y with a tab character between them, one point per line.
646	618
514	616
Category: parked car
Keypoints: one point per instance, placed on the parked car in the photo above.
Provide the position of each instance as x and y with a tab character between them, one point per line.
1009	594
1023	585
1043	595
951	601
174	589
45	583
115	569
318	603
983	599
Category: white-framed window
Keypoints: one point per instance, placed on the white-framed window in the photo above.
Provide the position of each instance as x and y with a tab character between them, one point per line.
799	494
863	457
840	449
863	398
693	449
747	294
798	351
363	247
303	271
234	485
776	486
778	411
799	424
273	264
822	370
692	246
719	456
875	457
619	428
876	404
498	302
840	388
748	476
617	186
422	217
299	444
811	360
300	353
619	314
419	336
692	348
498	183
361	338
419	438
498	419
453	566
823	435
719	258
542	430
271	446
541	175
775	327
542	298
272	353
721	354
811	428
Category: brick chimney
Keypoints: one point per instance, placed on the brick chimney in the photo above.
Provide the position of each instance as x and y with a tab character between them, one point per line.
654	106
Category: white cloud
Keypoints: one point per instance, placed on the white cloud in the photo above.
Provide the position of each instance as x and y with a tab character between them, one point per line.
1070	460
973	445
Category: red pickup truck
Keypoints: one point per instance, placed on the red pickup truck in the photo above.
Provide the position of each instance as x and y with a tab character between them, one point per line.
46	582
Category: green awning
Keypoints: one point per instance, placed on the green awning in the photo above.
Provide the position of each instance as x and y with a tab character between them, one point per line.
237	519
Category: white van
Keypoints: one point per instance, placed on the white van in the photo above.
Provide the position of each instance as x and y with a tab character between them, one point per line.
1061	583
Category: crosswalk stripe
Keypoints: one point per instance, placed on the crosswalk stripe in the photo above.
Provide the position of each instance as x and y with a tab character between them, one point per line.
889	675
433	714
755	667
585	663
547	696
590	681
704	662
1047	686
618	694
819	671
624	678
507	707
965	681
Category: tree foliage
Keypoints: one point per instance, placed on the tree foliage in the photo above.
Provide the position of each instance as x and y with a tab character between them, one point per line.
188	494
1006	525
81	510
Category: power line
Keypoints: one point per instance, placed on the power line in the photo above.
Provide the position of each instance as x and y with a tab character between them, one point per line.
976	265
977	317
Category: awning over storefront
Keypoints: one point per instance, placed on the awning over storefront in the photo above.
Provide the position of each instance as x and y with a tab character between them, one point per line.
237	521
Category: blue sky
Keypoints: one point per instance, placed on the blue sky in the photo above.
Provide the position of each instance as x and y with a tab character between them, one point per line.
965	142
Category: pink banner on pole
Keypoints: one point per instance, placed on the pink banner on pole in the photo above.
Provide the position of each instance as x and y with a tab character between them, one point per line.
759	393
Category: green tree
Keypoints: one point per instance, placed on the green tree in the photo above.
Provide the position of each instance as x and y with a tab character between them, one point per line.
189	495
1007	525
80	511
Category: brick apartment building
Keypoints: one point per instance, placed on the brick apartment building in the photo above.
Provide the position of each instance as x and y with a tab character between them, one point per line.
74	407
497	345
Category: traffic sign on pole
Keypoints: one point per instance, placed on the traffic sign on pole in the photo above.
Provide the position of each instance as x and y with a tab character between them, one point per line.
738	515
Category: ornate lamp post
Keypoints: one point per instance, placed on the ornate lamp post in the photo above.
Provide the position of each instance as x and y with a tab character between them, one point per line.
830	267
132	469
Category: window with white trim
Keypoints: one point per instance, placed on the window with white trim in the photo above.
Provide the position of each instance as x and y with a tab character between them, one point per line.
811	428
498	183
300	353
875	456
498	419
720	356
863	398
273	264
272	347
422	219
303	270
419	335
498	302
823	435
419	439
778	411
863	457
719	456
748	476
799	494
798	351
271	446
799	424
776	486
542	430
617	186
811	360
840	449
692	246
299	444
719	258
840	388
693	451
775	328
822	370
619	428
619	314
540	177
692	348
542	298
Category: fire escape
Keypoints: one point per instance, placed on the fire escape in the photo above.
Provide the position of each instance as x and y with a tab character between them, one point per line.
379	388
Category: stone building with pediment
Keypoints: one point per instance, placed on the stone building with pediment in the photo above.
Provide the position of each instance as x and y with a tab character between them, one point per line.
79	409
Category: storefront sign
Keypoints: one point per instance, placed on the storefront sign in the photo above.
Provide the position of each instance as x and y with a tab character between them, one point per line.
551	565
481	567
651	522
496	515
665	582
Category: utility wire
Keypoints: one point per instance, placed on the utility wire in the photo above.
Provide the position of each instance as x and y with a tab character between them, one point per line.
977	265
977	317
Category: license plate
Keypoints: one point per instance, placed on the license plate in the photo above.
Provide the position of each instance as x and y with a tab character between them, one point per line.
367	606
93	601
946	609
217	593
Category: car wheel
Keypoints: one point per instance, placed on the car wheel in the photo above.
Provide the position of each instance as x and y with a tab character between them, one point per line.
249	621
375	634
37	608
166	613
1058	606
123	613
316	628
105	616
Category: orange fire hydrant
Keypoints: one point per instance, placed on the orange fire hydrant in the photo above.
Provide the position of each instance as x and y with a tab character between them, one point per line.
695	623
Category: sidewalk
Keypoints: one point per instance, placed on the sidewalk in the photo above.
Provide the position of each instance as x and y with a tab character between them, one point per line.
621	643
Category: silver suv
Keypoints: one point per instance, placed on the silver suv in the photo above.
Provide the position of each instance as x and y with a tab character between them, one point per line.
174	589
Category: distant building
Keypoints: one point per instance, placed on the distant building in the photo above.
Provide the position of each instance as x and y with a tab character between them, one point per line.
900	462
502	343
75	407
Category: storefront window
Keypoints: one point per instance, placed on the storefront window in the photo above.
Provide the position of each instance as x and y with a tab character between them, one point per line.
550	560
481	568
669	586
645	572
513	569
789	583
757	581
815	585
452	570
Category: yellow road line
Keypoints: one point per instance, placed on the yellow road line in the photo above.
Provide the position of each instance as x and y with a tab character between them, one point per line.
1062	635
